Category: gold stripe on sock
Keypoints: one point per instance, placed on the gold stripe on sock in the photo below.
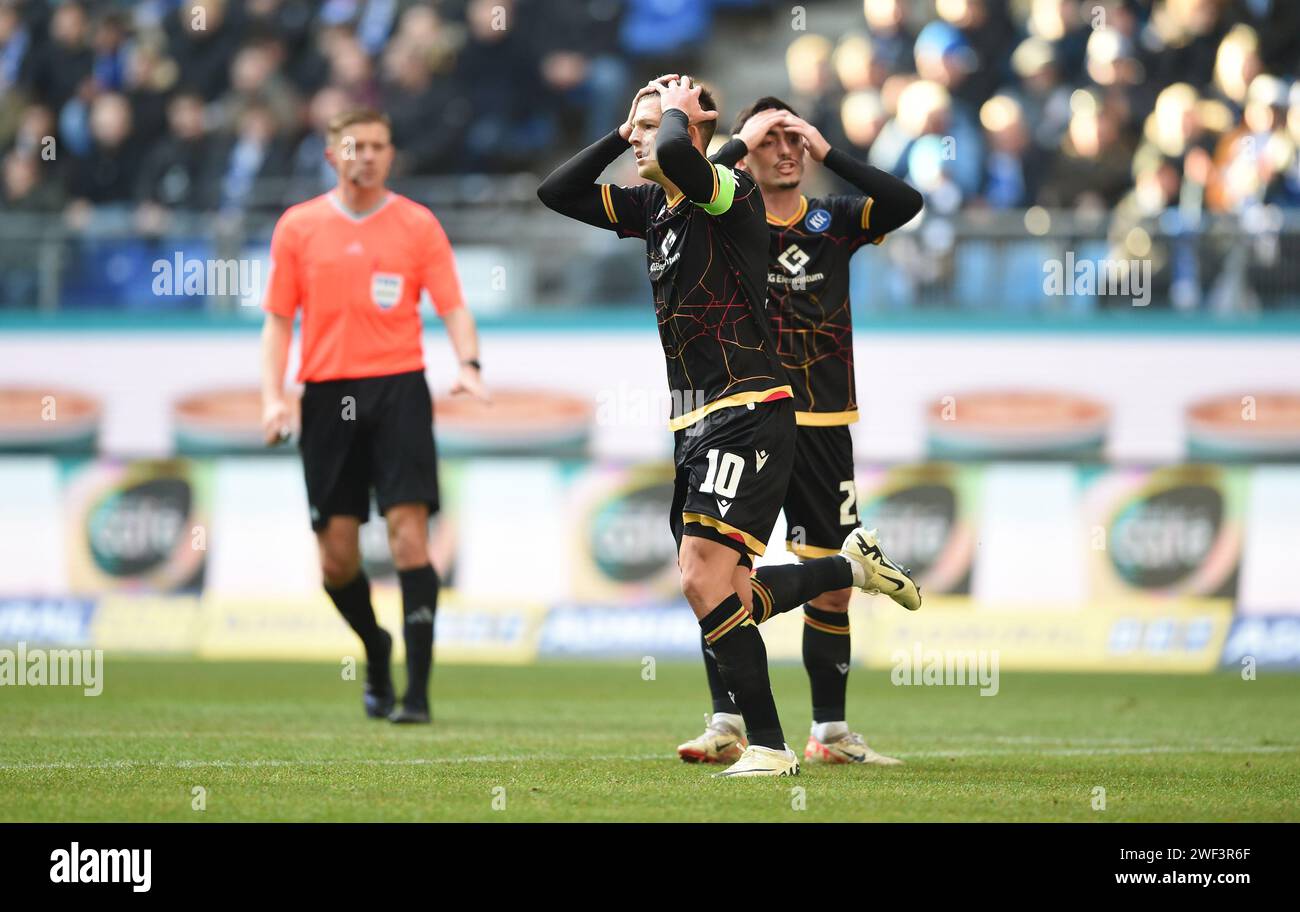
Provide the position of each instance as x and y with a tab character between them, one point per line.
824	627
737	619
764	597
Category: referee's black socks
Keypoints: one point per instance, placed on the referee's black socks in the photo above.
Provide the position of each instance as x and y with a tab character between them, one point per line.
783	587
419	605
352	599
734	638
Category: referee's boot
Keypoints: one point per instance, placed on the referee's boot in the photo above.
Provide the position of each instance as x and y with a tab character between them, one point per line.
410	715
378	695
875	573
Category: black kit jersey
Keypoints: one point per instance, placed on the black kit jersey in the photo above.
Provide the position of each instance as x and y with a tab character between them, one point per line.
708	273
808	289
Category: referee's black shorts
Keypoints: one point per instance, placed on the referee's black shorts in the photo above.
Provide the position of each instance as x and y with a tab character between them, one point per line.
370	432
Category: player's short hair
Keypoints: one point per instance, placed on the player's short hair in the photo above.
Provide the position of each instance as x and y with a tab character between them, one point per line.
340	122
707	127
766	103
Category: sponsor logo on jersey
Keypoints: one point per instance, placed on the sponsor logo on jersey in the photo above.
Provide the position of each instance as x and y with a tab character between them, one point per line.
661	259
793	259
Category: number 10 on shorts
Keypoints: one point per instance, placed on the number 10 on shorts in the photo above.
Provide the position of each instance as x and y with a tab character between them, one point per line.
723	477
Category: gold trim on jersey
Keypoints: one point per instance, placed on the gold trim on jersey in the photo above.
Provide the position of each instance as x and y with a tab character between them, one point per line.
800	550
826	419
752	543
609	204
673	201
686	420
866	219
799	213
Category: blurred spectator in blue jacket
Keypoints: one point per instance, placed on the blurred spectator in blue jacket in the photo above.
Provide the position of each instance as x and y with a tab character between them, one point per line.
1012	165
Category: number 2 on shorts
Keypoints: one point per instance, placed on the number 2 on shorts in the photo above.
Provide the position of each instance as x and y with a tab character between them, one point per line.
849	508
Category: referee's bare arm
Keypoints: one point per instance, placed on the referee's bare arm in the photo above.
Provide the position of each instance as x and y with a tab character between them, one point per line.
277	333
282	298
440	280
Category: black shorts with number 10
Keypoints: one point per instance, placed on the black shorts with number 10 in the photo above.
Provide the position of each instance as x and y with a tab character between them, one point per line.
733	467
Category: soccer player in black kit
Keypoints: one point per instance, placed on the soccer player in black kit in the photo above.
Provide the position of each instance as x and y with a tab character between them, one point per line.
706	238
811	241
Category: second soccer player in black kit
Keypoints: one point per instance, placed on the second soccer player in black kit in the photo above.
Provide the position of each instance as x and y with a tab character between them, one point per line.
706	238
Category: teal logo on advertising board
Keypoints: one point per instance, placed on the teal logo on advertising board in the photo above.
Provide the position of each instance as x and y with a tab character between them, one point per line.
135	529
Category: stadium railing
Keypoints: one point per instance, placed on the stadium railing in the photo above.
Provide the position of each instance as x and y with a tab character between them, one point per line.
516	258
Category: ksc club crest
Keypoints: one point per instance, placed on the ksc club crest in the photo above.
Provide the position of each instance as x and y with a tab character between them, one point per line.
817	221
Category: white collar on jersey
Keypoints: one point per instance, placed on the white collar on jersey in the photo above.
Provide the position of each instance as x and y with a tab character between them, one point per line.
357	216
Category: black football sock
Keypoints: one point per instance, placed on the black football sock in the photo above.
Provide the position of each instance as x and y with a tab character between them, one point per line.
826	658
722	702
353	602
734	638
784	587
419	605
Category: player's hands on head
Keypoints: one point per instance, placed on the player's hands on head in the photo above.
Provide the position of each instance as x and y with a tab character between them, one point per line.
277	421
649	88
757	127
817	145
469	382
683	95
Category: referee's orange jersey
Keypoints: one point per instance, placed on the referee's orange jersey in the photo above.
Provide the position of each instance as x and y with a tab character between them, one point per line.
357	279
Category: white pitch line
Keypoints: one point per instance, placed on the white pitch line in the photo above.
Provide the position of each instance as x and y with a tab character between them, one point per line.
324	761
665	758
1111	751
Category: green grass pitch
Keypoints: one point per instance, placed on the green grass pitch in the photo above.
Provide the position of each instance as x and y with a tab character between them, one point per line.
594	742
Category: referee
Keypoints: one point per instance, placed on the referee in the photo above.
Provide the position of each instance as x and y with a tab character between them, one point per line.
353	261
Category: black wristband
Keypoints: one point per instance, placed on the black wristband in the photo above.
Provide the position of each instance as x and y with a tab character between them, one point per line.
473	362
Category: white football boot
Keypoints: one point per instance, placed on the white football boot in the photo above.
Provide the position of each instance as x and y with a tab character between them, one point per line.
848	748
722	741
878	573
763	761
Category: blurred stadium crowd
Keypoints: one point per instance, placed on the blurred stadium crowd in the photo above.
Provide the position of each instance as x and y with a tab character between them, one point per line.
1123	107
999	103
